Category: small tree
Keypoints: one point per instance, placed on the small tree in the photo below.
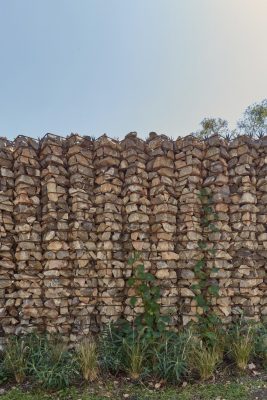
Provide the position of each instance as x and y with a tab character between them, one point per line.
254	121
212	126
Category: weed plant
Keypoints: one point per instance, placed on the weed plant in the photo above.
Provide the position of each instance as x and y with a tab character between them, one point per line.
241	344
50	363
87	358
16	357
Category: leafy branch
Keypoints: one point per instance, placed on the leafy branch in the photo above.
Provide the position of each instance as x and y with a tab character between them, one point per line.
206	288
150	322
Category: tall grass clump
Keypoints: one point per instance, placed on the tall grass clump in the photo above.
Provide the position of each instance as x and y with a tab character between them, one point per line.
203	359
261	344
15	360
111	348
51	364
135	357
169	357
241	344
87	358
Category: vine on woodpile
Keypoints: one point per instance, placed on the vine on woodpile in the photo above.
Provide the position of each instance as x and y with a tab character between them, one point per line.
206	288
150	322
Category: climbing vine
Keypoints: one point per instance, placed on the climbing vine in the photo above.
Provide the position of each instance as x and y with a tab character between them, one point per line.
206	288
150	322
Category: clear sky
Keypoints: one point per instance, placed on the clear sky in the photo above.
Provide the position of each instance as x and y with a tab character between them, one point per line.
115	66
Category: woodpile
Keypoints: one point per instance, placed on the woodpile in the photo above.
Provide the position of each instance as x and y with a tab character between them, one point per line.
108	201
189	154
136	211
162	183
57	265
218	233
82	235
261	174
74	210
27	217
246	277
8	308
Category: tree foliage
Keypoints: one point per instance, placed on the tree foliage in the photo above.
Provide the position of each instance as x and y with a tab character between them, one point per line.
254	120
212	126
253	123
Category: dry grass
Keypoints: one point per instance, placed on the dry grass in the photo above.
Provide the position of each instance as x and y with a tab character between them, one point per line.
241	347
16	358
87	358
135	358
204	360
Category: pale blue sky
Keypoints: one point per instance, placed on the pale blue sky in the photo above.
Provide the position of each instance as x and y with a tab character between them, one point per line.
114	66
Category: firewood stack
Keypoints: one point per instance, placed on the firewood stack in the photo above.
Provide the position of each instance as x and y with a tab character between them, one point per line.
82	235
243	217
108	200
261	174
8	307
162	183
218	232
27	216
73	211
55	229
189	153
136	212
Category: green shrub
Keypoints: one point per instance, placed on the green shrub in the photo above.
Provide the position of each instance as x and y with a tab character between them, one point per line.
170	356
135	356
203	359
51	364
211	336
150	323
16	358
261	343
4	375
123	349
111	348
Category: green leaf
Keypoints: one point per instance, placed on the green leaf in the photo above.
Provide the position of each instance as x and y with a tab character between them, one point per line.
203	192
216	216
202	275
131	281
155	291
201	302
133	301
140	271
207	210
201	244
214	270
131	261
143	288
212	251
149	277
199	265
213	290
149	319
213	228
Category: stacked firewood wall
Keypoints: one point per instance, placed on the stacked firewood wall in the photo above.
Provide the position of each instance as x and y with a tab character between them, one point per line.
27	217
58	269
9	317
109	254
74	210
82	235
189	154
